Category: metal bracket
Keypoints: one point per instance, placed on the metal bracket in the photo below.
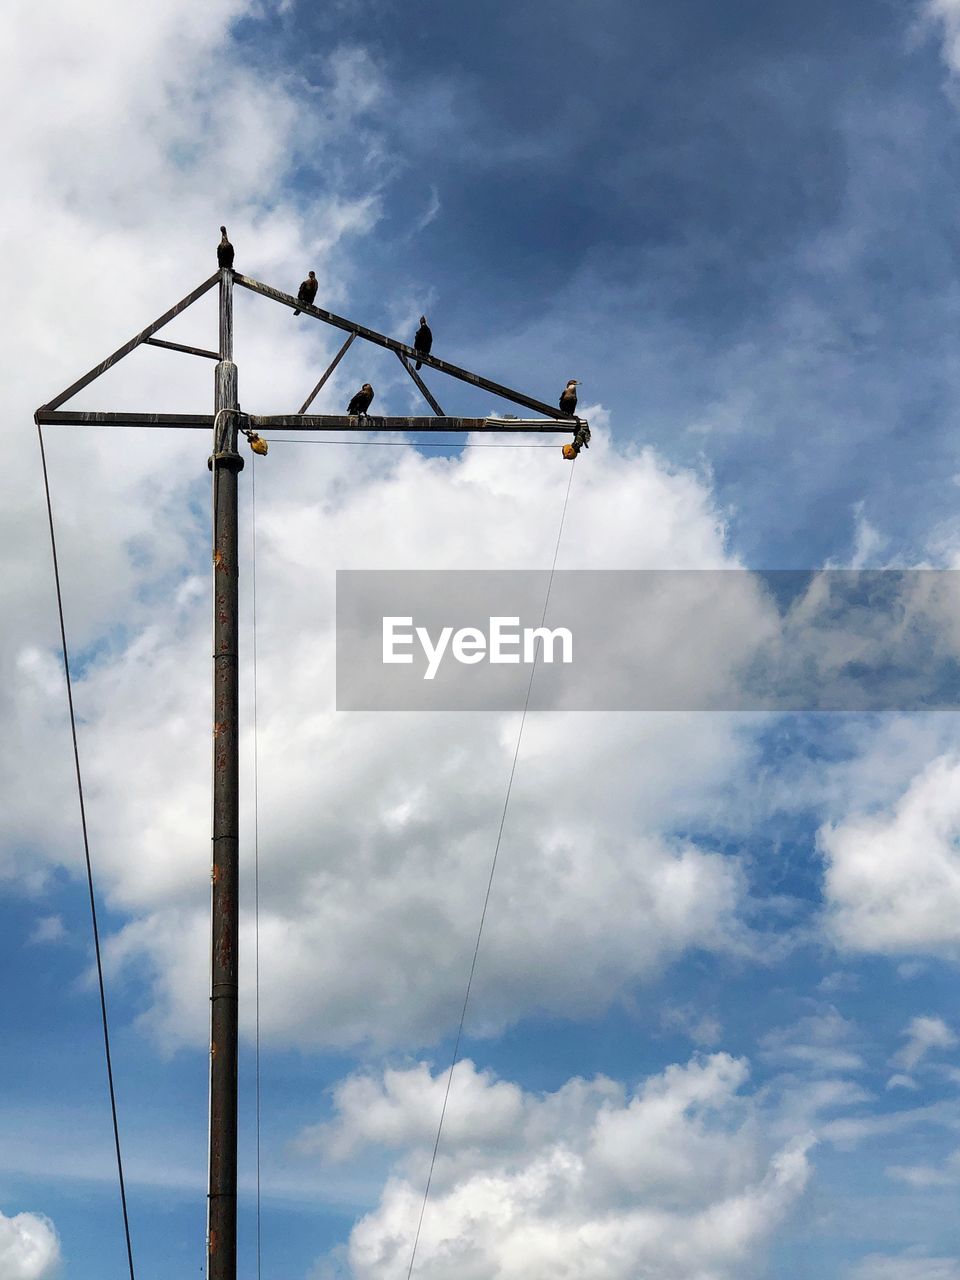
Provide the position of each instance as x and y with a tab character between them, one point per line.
229	458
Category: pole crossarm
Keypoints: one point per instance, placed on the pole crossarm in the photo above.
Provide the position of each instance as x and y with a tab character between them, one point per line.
307	422
381	340
340	422
125	350
97	418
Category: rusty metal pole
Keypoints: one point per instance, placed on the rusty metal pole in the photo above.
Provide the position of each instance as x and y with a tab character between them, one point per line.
225	464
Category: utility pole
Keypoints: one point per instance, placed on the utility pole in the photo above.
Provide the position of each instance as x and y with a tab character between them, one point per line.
225	464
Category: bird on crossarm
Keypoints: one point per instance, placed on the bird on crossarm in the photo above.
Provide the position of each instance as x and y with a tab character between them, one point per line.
423	339
568	398
360	403
308	291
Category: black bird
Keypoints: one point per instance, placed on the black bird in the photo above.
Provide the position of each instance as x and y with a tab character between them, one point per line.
568	398
224	250
423	339
308	291
361	401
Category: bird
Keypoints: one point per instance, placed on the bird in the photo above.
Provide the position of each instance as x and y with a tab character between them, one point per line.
568	397
423	339
224	250
361	401
308	291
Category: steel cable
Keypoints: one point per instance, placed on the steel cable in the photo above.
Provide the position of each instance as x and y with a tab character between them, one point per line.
86	853
493	868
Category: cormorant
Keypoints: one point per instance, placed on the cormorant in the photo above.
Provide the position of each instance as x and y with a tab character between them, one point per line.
423	339
308	291
224	250
361	401
568	398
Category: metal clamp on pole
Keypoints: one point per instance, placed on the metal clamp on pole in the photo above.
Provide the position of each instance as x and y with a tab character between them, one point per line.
227	425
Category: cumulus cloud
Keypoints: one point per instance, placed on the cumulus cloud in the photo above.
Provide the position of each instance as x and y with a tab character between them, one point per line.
849	1131
48	929
377	831
29	1247
670	1181
146	130
923	1034
905	1266
899	1081
923	1176
822	1042
702	1028
944	16
892	878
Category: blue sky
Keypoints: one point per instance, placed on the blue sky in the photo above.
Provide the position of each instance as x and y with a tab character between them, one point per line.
714	1028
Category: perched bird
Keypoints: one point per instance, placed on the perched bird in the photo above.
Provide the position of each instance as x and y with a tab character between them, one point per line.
568	397
423	339
361	401
224	250
308	291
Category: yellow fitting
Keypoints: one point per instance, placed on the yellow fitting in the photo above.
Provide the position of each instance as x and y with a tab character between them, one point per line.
257	444
570	452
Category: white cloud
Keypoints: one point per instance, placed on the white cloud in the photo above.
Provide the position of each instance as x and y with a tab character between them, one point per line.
432	211
900	1081
48	929
892	878
945	16
672	1181
377	831
146	130
869	542
905	1266
849	1131
923	1176
29	1247
704	1029
923	1034
839	982
824	1042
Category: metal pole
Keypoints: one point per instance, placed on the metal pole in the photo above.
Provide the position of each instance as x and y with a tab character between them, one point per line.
225	464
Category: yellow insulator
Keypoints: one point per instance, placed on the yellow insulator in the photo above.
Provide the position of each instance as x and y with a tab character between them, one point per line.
257	443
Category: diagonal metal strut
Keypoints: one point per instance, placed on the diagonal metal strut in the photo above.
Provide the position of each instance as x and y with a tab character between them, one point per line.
425	390
125	350
327	372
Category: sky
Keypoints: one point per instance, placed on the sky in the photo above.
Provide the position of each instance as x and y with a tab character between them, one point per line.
713	1030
